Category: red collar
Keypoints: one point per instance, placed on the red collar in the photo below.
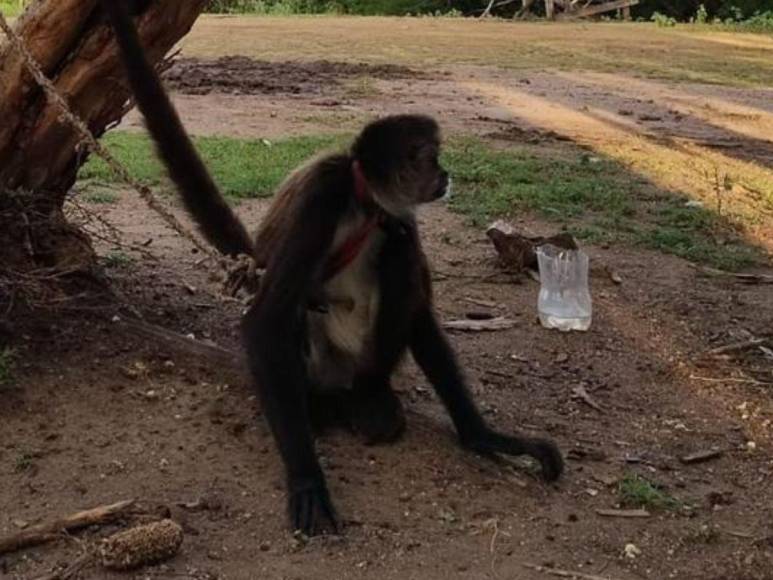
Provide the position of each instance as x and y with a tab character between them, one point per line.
351	247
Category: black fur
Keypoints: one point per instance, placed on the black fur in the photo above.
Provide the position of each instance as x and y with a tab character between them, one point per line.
276	328
215	218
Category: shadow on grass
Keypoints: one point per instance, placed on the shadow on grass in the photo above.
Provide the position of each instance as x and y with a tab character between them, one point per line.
594	197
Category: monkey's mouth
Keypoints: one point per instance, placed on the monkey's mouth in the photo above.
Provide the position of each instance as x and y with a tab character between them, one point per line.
444	187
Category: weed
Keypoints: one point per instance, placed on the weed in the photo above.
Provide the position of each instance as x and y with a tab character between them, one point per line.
116	259
25	460
637	492
701	15
662	20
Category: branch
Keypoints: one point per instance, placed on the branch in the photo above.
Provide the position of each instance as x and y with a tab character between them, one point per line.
42	533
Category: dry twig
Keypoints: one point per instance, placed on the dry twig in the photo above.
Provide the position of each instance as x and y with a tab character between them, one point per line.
46	532
565	573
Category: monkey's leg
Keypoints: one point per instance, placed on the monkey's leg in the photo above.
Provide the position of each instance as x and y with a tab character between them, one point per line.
434	355
275	359
377	413
329	410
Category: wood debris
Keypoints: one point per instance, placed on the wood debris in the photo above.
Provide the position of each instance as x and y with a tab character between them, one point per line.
701	456
581	393
46	532
493	324
612	513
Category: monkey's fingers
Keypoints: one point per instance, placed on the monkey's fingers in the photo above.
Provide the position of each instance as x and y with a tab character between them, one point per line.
312	513
543	450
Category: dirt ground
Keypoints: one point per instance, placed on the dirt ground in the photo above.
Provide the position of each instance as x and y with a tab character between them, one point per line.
98	414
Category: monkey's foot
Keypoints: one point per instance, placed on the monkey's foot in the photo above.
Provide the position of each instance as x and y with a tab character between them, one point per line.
377	415
310	509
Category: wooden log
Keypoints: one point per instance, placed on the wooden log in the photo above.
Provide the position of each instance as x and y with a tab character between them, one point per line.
550	9
594	9
42	533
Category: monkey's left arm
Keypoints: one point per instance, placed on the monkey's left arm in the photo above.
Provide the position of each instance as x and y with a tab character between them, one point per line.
435	357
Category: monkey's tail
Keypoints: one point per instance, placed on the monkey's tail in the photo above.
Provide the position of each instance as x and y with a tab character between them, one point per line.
200	194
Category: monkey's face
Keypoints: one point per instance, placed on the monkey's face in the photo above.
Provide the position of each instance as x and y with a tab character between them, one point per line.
417	178
399	156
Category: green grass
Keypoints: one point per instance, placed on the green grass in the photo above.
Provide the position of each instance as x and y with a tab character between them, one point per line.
244	168
594	198
7	364
636	492
11	7
116	259
100	196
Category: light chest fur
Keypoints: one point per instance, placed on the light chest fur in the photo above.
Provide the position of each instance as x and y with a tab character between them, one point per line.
340	340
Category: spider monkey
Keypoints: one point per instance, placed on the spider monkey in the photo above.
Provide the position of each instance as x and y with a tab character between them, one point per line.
346	289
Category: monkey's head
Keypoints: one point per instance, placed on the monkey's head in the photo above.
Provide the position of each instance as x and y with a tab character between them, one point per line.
398	156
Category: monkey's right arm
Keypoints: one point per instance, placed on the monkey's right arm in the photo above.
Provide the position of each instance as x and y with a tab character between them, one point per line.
275	334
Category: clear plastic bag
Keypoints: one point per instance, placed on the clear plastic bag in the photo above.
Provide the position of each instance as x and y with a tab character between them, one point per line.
564	298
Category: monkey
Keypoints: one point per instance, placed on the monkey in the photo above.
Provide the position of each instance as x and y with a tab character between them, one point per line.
346	291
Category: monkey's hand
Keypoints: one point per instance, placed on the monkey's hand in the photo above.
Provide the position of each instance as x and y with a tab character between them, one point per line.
310	509
488	443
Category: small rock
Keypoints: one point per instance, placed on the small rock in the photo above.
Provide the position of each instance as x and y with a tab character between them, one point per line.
631	551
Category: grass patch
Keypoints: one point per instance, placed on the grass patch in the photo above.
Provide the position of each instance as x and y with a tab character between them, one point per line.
594	198
637	492
243	168
12	8
100	197
7	365
116	259
25	461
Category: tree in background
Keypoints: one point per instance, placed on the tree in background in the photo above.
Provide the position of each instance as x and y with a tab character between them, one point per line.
679	9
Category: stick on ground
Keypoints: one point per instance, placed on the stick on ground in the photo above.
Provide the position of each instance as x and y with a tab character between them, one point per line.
565	573
46	532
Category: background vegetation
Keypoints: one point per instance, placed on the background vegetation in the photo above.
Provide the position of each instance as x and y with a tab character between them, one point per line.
679	10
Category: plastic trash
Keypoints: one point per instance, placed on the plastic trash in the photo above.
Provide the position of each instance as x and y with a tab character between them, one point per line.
564	298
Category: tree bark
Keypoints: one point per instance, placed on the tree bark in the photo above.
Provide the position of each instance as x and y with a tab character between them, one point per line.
40	154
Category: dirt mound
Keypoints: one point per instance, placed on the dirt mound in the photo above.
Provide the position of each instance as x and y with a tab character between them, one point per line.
245	76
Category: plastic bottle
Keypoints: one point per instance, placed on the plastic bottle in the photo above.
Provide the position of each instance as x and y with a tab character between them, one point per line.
564	298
